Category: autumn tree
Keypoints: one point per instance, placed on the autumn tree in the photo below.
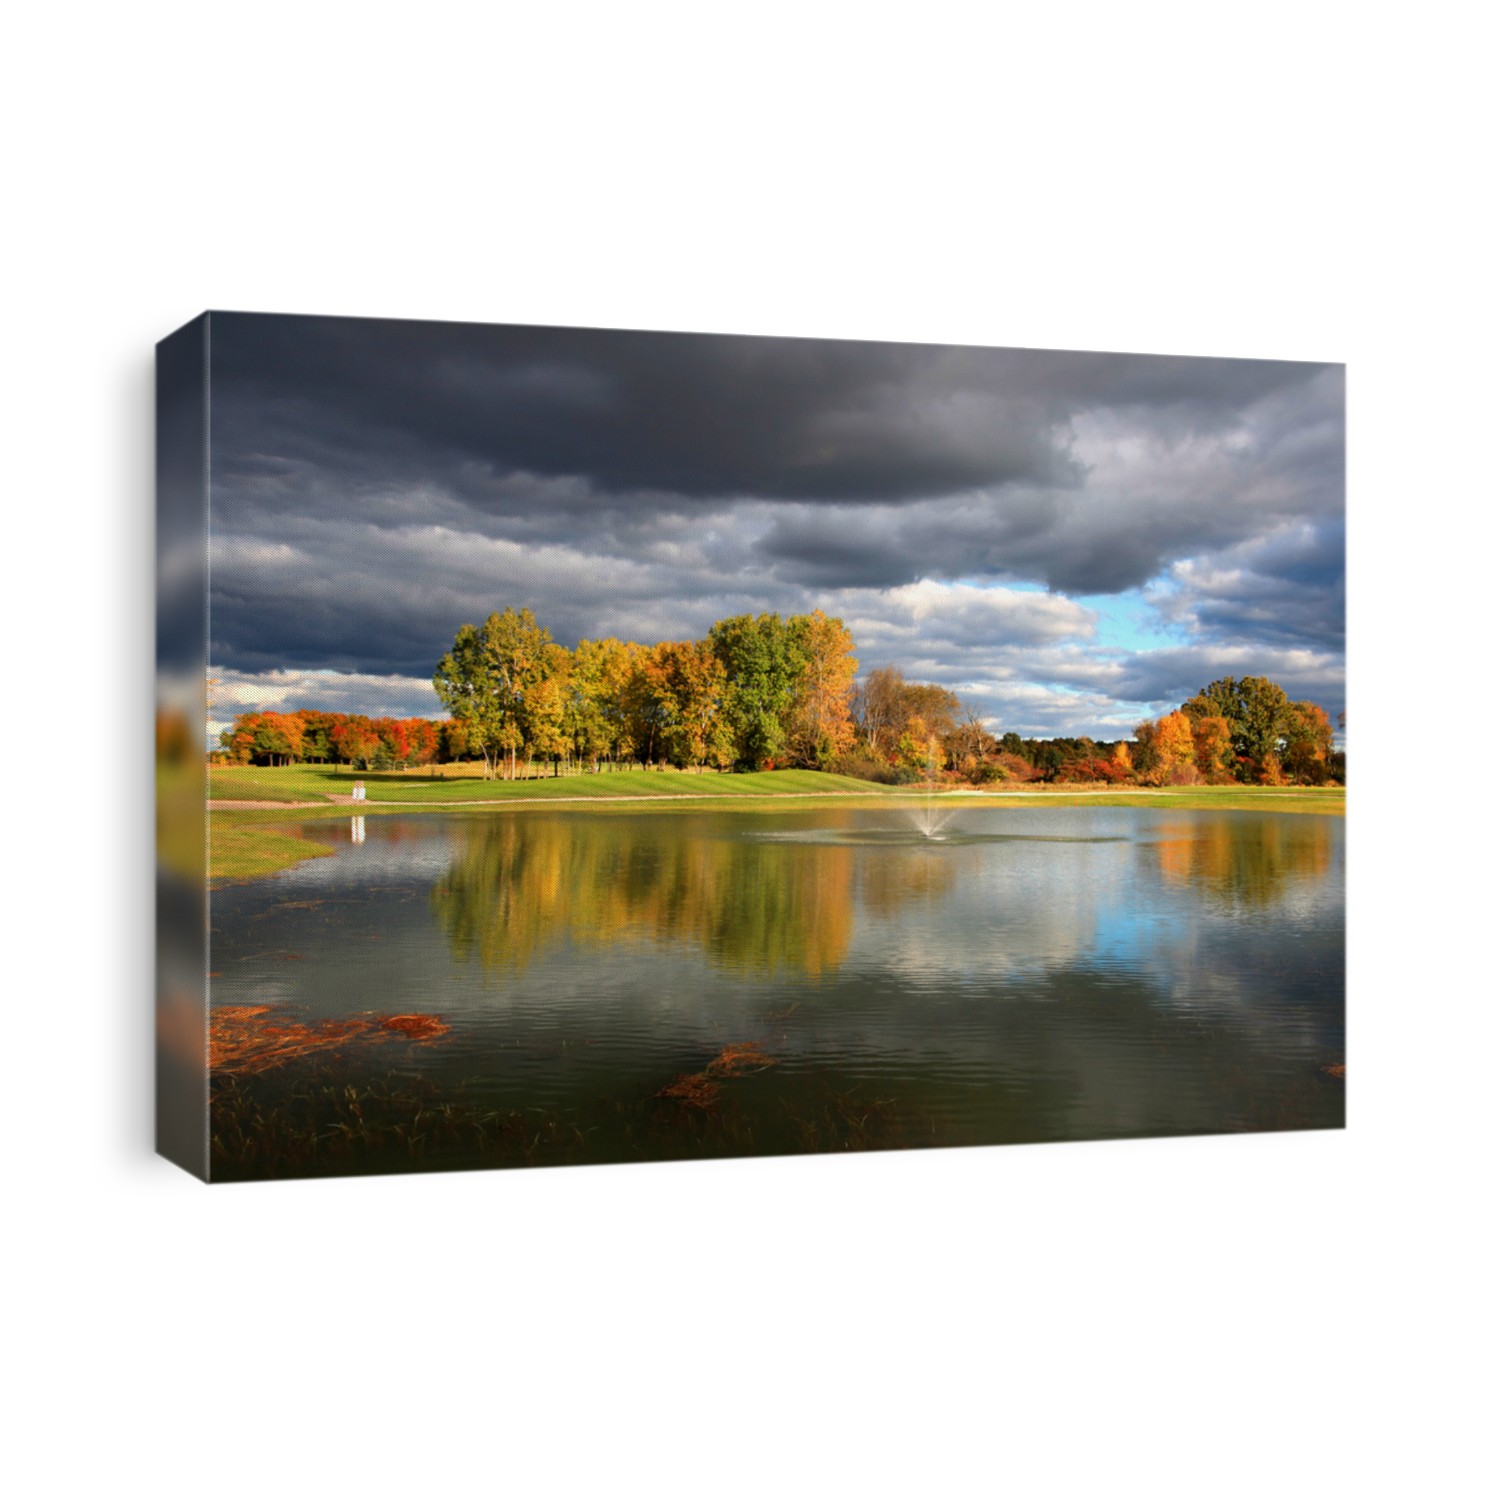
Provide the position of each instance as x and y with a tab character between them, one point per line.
645	706
276	739
395	747
542	712
597	683
1213	750
423	740
1174	749
355	740
687	683
886	705
970	742
821	726
1307	743
490	676
879	709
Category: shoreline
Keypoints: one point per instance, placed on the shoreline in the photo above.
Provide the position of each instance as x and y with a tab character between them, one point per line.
252	839
1226	794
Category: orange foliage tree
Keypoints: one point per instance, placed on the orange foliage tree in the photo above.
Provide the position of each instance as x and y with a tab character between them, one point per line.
1164	751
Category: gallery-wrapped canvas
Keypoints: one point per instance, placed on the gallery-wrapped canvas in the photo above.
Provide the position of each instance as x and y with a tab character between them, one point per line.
582	746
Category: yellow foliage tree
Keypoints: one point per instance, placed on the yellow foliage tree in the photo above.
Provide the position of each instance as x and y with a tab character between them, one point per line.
822	725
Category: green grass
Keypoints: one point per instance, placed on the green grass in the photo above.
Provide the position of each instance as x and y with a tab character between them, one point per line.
412	790
1328	800
422	788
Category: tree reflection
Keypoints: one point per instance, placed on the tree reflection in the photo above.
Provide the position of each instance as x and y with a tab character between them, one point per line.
902	875
1246	861
520	886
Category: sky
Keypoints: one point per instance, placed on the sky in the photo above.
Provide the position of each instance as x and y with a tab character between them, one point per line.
1070	541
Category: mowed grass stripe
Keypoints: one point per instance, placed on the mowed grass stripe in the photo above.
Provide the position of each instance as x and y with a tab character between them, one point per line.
417	788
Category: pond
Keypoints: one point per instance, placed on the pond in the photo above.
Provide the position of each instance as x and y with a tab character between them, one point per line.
564	986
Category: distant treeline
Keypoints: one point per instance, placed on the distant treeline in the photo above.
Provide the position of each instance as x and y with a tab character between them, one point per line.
1234	730
766	692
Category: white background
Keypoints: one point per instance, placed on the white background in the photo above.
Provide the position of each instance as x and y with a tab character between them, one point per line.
1276	1315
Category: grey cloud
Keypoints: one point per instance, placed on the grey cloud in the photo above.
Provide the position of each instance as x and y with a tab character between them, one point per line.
1286	589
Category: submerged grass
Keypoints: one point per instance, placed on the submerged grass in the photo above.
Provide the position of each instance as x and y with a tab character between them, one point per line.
326	1125
303	1115
246	850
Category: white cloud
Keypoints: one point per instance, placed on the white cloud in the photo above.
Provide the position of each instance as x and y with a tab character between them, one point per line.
235	693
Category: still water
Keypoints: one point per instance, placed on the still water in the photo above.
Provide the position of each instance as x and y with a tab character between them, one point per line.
1027	974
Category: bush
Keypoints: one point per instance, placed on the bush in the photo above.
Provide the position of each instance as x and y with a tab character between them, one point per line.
1016	767
866	768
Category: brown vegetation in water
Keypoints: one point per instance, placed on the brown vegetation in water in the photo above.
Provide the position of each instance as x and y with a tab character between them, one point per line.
244	1039
420	1027
702	1089
1335	1070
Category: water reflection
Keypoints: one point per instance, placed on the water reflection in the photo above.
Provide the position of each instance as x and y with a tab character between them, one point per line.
1051	974
901	876
521	886
1250	861
789	901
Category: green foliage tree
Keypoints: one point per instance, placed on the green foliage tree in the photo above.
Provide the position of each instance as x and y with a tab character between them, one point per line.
597	683
1255	710
763	663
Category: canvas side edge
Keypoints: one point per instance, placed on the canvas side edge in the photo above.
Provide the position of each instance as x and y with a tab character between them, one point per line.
181	875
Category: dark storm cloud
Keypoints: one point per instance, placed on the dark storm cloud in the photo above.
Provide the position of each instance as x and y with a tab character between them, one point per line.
1153	491
701	416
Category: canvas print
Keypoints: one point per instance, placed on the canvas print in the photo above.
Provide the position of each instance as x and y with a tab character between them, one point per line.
584	746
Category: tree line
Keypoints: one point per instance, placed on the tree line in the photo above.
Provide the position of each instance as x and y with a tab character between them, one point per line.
1239	729
309	734
758	691
1234	730
761	692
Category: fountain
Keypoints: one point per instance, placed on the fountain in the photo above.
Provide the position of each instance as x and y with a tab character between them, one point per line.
928	820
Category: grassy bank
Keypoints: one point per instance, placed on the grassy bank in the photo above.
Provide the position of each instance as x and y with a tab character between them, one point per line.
453	785
1295	799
